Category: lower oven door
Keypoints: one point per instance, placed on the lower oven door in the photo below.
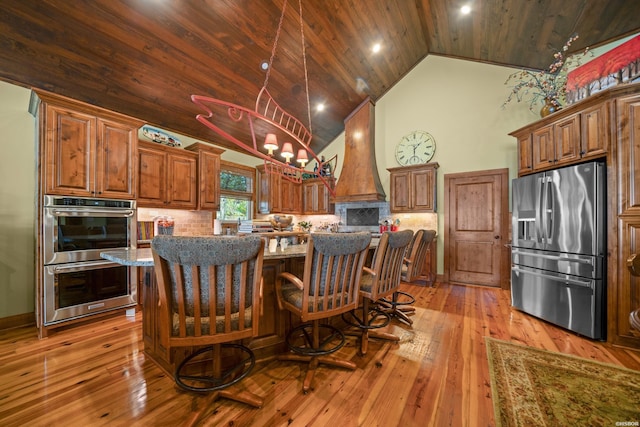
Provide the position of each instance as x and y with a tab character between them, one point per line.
574	303
81	289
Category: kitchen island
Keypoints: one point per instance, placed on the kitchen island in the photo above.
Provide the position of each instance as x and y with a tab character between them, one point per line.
273	325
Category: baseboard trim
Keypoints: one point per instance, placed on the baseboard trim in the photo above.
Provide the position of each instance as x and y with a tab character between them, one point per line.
26	319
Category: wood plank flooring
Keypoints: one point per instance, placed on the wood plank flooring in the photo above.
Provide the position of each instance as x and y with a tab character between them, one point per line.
97	374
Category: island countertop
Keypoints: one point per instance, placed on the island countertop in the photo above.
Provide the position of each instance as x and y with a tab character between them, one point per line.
143	258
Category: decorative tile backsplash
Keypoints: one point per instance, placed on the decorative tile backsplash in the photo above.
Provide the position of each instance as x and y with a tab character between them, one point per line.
186	223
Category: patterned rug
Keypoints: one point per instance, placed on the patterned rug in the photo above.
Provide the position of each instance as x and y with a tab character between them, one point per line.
532	387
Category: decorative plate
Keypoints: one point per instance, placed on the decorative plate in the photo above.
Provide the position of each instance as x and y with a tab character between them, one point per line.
159	136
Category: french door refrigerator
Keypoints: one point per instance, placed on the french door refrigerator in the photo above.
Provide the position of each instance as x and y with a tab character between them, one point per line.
558	251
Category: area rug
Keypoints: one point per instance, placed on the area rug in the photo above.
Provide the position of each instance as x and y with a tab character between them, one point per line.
532	387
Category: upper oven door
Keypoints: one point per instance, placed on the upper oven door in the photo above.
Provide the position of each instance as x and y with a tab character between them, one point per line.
80	233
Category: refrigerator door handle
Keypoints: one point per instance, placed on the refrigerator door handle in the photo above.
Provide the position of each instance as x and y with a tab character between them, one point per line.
564	280
538	205
549	208
581	260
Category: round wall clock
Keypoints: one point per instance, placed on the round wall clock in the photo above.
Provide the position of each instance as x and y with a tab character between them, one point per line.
415	148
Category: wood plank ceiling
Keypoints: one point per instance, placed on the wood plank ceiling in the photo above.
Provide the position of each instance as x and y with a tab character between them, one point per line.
145	58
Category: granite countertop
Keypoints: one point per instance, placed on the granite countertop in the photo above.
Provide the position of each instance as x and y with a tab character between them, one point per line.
143	257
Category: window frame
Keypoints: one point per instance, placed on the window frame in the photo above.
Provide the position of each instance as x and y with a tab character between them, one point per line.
250	196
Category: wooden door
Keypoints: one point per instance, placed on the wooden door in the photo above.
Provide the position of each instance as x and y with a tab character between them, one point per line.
594	124
116	159
476	228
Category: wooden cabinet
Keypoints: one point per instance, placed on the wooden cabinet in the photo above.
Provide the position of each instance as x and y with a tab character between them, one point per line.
167	176
291	196
413	188
277	194
208	175
525	155
86	151
316	196
566	140
605	125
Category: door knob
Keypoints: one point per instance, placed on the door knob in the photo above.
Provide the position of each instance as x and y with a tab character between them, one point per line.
496	237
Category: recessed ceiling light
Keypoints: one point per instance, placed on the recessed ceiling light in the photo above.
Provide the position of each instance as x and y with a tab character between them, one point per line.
264	65
466	9
376	48
320	107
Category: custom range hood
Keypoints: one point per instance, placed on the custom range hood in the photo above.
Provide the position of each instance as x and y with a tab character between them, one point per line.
359	180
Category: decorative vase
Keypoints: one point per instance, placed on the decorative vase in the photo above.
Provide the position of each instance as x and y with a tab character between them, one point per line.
548	107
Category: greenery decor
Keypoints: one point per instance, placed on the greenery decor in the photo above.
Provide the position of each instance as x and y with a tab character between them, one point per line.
306	226
545	86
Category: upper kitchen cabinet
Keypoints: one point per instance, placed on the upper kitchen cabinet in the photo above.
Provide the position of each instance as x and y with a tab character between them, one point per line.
167	177
208	175
413	188
316	196
85	150
562	139
277	194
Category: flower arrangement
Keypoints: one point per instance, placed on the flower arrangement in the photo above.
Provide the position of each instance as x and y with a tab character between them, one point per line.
306	226
547	86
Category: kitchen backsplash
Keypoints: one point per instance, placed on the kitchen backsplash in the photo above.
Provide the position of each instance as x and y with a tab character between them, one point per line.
186	223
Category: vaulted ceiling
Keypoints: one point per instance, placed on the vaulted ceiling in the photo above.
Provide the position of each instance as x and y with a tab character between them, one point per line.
145	58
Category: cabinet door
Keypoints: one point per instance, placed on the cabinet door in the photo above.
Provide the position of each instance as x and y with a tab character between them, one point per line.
542	148
400	187
309	197
525	160
627	296
152	178
209	186
291	196
323	204
595	131
70	144
181	181
117	145
628	115
566	134
422	190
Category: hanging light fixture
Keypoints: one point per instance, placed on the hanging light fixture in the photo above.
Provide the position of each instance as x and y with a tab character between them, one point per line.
302	157
271	143
272	121
287	152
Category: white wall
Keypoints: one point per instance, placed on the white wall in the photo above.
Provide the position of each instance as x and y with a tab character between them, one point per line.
17	202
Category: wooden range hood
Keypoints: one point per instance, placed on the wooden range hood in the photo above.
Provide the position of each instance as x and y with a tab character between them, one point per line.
359	180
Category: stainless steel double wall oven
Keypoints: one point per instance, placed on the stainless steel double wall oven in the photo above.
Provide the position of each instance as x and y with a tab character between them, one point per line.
77	282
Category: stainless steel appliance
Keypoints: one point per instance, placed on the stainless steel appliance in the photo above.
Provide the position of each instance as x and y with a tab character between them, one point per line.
558	268
76	281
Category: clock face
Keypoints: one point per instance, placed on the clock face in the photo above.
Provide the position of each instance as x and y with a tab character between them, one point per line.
415	148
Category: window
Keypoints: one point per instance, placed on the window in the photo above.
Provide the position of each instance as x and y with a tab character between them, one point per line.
236	192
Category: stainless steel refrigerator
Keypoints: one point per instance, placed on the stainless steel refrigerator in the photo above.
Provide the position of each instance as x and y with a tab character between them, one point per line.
558	252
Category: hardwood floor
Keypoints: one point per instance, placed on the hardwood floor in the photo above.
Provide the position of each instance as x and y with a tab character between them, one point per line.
438	375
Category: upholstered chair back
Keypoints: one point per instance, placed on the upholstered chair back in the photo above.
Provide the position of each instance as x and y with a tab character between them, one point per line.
209	287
